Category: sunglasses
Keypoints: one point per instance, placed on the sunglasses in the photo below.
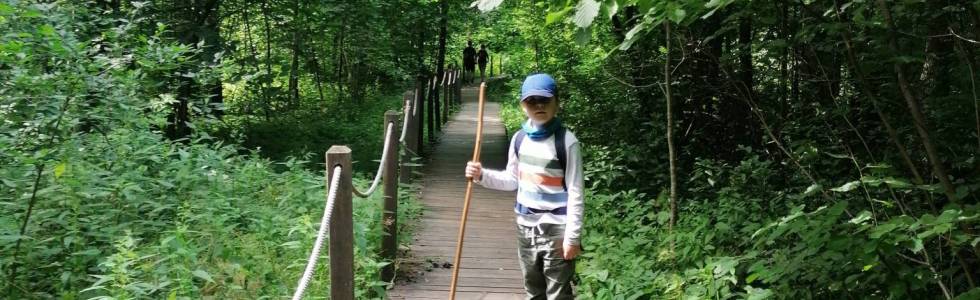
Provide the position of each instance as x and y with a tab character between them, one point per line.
535	100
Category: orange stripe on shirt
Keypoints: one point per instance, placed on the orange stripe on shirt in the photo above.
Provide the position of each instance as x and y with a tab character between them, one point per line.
541	179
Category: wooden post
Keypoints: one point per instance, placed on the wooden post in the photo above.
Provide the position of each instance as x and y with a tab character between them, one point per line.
452	87
449	91
410	138
459	91
445	92
435	108
420	91
389	220
491	66
431	118
341	227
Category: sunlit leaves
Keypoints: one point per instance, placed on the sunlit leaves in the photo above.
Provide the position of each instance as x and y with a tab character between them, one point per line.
585	12
486	5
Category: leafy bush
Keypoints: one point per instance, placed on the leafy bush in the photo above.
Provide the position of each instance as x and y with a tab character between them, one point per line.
732	243
96	204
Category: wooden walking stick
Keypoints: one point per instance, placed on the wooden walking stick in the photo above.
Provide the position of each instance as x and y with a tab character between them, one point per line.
469	192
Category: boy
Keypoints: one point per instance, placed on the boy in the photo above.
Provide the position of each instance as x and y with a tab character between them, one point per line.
544	165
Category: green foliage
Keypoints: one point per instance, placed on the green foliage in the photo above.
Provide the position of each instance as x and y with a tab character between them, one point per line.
113	210
725	247
791	185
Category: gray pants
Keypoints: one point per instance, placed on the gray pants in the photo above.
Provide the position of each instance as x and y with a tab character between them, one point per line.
547	275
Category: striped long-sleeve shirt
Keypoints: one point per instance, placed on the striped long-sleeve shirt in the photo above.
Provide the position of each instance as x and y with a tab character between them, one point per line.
537	176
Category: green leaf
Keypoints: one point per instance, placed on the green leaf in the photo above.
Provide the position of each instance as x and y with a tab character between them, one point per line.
610	8
602	275
678	15
631	36
553	17
60	169
847	187
917	245
46	30
716	3
583	35
861	218
753	293
882	230
203	275
812	189
6	9
585	12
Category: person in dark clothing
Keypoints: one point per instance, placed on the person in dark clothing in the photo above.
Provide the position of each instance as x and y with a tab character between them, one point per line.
469	61
481	58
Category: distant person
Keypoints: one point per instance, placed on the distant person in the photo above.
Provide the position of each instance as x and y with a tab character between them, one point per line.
544	166
481	58
469	62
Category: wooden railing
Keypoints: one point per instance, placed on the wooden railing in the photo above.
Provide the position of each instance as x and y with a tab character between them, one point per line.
420	105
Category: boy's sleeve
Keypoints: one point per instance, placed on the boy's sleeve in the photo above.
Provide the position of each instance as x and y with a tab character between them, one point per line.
576	200
505	180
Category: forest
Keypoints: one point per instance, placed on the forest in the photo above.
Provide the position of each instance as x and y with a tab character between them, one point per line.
812	149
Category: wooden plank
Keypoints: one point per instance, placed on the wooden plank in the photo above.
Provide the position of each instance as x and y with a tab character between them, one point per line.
489	267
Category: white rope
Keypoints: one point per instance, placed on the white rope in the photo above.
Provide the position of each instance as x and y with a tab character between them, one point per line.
417	99
324	228
408	107
381	165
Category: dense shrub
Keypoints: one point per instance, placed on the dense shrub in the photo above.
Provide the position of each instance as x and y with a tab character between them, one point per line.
96	203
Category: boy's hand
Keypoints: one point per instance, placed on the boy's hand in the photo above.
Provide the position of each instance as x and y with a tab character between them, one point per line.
474	170
570	251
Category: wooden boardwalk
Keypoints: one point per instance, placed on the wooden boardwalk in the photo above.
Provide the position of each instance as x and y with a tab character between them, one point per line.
490	268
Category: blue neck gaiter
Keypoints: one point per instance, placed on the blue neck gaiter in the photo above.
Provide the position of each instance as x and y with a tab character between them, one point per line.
537	133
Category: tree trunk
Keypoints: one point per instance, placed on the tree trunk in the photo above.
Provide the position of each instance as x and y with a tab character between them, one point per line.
670	131
736	113
294	67
441	58
254	57
198	24
267	84
213	44
918	117
866	89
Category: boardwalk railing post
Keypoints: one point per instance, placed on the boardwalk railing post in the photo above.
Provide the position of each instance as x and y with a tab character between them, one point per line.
341	227
389	243
438	99
410	140
421	86
452	87
431	118
459	92
445	93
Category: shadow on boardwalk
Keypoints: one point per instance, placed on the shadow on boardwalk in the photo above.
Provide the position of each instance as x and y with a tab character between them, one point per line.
490	269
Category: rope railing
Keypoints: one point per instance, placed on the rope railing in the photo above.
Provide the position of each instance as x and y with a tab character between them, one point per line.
408	106
381	164
324	228
337	214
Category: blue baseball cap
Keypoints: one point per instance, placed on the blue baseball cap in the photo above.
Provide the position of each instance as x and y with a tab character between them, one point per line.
540	84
